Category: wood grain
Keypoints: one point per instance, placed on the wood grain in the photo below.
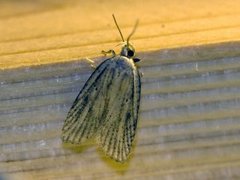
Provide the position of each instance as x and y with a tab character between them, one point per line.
188	127
189	115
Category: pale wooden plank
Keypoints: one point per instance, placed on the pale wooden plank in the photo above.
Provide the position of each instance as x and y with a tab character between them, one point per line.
188	126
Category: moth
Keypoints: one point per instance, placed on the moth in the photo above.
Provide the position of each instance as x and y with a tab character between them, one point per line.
107	107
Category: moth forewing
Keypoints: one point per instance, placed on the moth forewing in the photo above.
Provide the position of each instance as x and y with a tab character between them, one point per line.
75	129
118	130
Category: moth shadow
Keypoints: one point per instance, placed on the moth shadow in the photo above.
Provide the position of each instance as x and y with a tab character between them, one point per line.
78	148
119	167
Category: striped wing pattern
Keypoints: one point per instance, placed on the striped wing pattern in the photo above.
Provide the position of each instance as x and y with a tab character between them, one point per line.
107	108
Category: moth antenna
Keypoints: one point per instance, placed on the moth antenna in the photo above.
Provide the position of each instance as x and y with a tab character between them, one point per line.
133	31
118	27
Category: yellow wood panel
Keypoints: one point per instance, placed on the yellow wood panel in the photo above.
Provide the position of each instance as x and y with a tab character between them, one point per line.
41	32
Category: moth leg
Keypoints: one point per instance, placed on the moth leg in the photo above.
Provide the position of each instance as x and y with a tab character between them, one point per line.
91	62
111	51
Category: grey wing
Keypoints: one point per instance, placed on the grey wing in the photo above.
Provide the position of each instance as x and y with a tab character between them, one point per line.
118	129
84	117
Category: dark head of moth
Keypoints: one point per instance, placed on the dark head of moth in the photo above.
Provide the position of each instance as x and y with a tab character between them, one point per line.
129	52
106	108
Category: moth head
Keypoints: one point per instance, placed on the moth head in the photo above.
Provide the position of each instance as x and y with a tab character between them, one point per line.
127	49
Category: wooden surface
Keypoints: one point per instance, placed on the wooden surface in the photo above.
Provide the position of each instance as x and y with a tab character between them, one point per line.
189	116
42	32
